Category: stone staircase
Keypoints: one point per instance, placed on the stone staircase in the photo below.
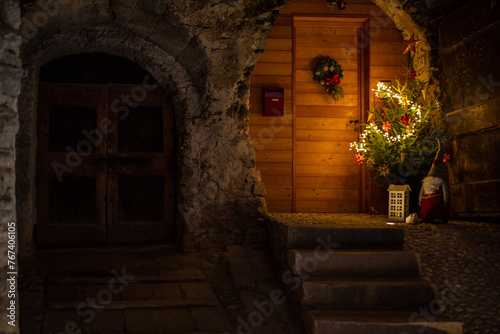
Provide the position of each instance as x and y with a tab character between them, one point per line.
178	302
357	280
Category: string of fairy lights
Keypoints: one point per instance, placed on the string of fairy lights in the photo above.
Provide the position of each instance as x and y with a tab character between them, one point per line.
386	91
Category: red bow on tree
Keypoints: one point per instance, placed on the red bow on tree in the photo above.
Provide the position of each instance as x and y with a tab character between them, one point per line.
335	79
405	119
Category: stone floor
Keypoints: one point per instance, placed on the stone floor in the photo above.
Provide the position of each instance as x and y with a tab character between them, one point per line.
463	258
234	292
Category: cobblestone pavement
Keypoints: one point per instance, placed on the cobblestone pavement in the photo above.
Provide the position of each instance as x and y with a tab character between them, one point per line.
461	257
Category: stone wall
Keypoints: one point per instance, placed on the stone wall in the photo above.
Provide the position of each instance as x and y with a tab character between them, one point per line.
417	17
470	82
10	76
201	53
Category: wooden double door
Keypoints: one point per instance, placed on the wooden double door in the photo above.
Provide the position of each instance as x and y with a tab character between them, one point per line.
106	165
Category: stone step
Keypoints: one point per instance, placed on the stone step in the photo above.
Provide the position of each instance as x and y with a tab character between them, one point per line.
339	236
365	294
328	322
133	304
187	275
361	263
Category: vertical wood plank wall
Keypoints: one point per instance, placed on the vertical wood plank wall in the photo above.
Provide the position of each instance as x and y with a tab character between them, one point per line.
273	137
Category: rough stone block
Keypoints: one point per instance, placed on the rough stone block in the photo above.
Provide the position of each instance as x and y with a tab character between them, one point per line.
167	291
242	271
142	321
183	275
59	321
10	13
64	293
196	290
107	321
137	292
252	207
211	320
11	77
176	321
10	46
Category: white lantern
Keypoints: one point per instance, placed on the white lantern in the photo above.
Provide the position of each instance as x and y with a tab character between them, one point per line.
399	202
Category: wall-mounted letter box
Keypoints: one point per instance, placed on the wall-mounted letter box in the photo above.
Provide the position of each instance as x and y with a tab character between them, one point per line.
273	102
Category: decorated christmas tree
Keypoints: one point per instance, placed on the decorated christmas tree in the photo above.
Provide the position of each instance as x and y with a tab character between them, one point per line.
398	142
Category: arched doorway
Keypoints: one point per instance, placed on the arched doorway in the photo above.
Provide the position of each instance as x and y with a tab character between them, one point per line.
304	156
106	154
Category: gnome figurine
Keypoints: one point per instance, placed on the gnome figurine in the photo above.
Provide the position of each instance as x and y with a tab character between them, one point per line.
433	198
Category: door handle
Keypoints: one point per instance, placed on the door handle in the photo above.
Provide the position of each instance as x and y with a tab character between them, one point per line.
356	124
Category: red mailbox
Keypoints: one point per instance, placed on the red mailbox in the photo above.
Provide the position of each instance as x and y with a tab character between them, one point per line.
273	102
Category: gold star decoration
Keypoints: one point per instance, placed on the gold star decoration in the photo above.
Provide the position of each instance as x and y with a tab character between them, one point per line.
411	44
384	170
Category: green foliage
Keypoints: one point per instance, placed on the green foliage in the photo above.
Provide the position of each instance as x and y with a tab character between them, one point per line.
328	73
403	126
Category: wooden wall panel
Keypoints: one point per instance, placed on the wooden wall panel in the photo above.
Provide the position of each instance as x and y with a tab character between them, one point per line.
315	129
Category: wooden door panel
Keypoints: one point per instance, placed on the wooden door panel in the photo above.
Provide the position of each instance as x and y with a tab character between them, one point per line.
324	169
68	125
71	188
72	201
141	167
139	198
142	130
142	210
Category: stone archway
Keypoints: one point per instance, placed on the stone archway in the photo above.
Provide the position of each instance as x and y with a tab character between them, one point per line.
170	75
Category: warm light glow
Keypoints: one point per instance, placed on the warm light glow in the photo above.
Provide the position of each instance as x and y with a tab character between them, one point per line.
384	90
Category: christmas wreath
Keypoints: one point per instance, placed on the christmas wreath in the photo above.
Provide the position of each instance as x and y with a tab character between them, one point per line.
328	74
